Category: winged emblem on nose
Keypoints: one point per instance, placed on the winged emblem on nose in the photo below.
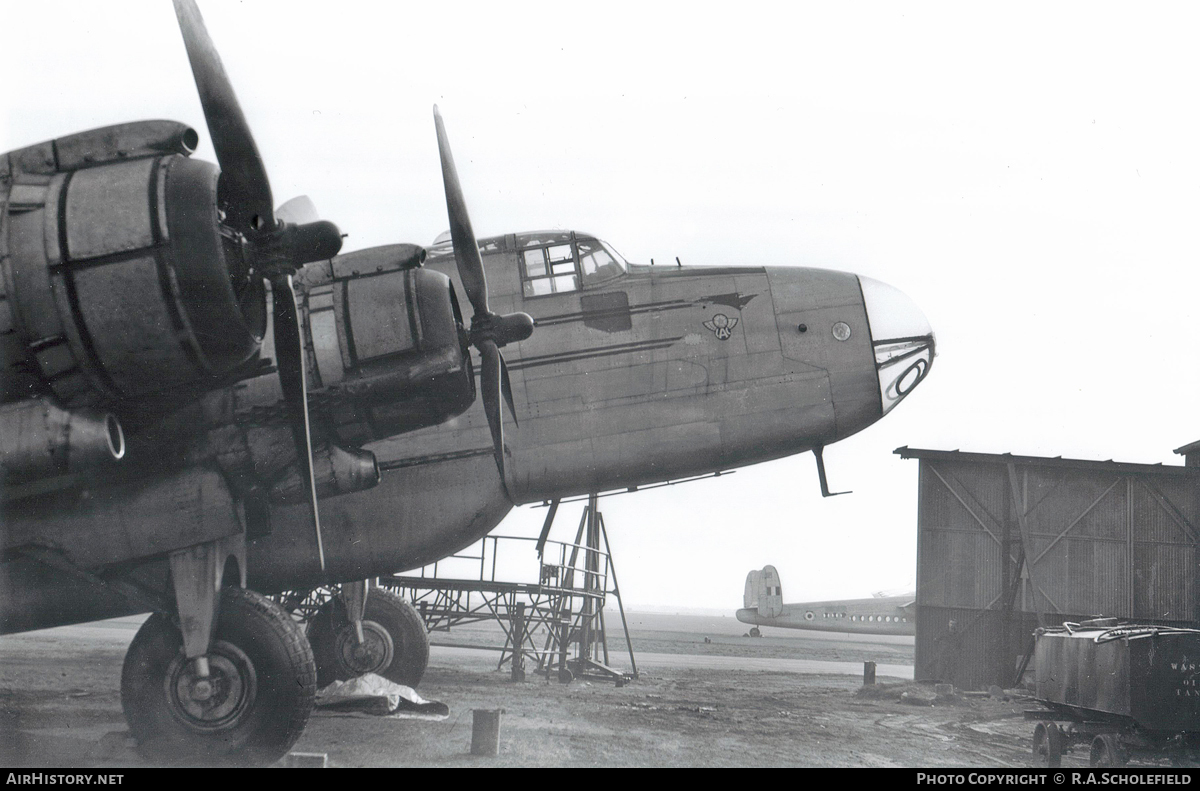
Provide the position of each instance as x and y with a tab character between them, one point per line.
721	326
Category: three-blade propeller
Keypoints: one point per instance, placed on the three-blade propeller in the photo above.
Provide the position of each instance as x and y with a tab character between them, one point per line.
275	243
489	331
272	248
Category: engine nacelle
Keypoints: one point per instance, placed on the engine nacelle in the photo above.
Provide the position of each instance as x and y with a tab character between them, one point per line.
388	343
118	281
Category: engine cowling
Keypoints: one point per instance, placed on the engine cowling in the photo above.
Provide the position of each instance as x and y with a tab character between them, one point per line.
118	282
388	344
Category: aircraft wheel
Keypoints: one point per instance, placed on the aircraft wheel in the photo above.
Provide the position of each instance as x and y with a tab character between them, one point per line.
395	644
251	708
754	632
1107	751
1047	745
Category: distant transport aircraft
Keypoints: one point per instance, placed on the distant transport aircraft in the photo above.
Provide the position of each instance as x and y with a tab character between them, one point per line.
763	606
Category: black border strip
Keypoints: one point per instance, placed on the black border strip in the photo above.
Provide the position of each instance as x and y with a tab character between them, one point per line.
79	264
666	270
889	362
633	310
559	318
161	253
418	461
908	339
85	335
351	349
410	302
611	347
586	354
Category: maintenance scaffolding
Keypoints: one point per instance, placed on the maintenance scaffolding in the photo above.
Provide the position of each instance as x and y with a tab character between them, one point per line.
557	623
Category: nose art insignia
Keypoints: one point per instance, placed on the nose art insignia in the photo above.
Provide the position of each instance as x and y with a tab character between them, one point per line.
721	326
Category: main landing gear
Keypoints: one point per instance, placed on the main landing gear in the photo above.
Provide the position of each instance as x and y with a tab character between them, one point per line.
388	638
248	706
224	676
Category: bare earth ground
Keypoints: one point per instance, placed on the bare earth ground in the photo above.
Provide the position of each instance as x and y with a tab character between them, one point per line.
693	705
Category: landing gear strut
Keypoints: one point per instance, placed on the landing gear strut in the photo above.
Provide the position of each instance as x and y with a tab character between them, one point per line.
393	641
247	703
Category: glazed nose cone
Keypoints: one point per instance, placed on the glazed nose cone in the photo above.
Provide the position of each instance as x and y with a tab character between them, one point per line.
902	340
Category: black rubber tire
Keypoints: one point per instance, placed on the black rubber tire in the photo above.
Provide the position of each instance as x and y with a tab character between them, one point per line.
284	687
1048	744
401	621
1107	751
754	632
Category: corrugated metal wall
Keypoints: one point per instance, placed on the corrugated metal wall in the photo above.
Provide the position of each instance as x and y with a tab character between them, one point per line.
1113	540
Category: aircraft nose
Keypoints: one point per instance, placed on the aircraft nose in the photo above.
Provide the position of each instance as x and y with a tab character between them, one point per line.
902	339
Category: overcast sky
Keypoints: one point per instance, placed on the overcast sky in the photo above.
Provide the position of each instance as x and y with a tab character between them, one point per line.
1028	173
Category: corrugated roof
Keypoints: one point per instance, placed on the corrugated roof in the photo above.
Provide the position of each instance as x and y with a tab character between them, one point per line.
1189	448
1046	461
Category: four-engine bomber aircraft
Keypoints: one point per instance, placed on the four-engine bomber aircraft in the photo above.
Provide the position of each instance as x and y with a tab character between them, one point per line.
168	422
762	605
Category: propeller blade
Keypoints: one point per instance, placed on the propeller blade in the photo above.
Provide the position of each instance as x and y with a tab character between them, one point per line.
490	382
466	249
471	375
289	358
506	389
488	330
298	210
243	189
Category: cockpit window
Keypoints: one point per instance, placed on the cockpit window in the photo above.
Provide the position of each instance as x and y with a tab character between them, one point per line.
549	270
560	262
598	262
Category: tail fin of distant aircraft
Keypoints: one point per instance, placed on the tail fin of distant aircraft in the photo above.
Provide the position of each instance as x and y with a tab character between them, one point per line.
750	600
763	592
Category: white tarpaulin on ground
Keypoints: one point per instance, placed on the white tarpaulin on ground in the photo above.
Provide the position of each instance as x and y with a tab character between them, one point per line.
374	695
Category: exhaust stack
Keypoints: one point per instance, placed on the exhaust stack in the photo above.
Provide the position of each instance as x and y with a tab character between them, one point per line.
39	440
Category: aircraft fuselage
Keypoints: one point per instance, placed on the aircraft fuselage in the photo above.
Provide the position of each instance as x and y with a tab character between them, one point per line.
657	374
643	375
880	615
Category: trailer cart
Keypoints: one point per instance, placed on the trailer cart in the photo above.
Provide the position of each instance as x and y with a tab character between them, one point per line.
1124	690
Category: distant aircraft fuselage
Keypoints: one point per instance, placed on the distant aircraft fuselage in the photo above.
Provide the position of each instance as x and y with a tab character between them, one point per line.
877	615
763	606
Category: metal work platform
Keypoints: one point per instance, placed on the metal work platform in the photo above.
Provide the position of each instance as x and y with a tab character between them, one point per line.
556	622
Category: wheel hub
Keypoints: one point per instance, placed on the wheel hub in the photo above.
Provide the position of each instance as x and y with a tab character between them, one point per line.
202	689
372	655
217	700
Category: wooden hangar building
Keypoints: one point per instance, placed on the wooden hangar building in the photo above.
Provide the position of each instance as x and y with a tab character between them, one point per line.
1009	543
